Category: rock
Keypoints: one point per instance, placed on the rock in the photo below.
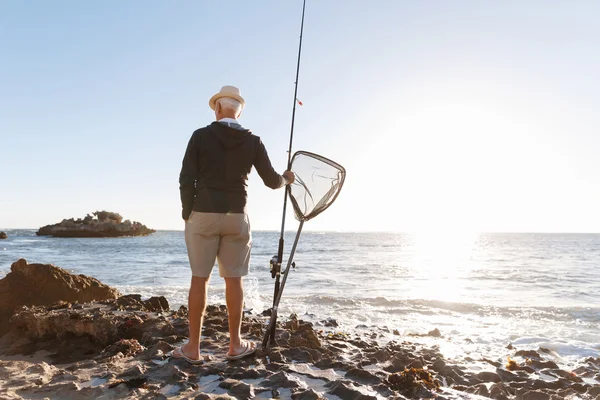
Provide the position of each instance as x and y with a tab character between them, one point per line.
435	333
438	365
330	322
535	395
238	389
593	391
157	304
301	354
280	379
127	347
413	382
249	374
499	391
541	364
106	224
345	390
3	235
362	376
308	394
507	376
480	390
305	336
487	376
45	284
398	363
528	354
135	371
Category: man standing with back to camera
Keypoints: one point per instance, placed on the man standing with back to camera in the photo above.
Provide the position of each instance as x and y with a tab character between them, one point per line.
212	184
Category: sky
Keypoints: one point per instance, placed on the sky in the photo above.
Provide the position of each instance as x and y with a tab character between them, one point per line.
448	116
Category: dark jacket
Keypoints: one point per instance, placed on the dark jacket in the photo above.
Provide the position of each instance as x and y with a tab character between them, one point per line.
215	169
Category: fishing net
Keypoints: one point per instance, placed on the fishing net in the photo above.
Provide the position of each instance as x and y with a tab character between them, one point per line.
318	183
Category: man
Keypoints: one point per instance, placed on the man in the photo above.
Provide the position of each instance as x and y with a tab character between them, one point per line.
213	183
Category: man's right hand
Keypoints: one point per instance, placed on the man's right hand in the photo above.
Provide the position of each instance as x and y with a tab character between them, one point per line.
289	177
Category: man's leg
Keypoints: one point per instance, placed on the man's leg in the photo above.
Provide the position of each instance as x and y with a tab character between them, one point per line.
196	308
234	295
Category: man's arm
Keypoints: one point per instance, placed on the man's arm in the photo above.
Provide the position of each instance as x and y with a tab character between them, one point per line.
187	178
264	168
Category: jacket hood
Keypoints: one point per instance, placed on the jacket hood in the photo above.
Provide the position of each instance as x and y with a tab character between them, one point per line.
229	137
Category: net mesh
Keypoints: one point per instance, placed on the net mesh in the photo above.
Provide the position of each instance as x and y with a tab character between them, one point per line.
318	183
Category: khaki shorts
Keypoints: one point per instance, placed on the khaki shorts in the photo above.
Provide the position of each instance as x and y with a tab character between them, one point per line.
224	237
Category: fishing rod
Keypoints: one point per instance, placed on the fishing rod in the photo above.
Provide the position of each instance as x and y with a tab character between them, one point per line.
276	261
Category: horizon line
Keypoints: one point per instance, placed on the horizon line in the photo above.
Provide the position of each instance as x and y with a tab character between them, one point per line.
373	231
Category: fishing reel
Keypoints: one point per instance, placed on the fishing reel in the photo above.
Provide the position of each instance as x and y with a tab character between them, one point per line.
275	267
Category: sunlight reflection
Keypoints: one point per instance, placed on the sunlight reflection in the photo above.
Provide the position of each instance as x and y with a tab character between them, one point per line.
442	261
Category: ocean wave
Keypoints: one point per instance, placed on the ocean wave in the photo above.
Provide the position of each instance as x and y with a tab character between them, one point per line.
586	315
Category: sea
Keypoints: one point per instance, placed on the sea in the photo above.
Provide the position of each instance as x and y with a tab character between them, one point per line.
483	292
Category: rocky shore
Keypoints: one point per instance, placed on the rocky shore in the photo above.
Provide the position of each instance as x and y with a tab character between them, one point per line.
117	347
101	224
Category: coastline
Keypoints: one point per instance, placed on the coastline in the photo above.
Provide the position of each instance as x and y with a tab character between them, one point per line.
119	348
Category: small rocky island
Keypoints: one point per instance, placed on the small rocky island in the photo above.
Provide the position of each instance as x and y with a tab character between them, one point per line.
3	235
101	224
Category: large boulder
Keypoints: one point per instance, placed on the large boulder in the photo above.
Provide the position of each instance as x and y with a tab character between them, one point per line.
3	235
45	284
102	224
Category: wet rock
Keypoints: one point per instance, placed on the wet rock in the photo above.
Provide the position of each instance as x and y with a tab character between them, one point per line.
535	395
238	389
345	390
542	364
499	391
130	302
158	350
135	371
438	365
308	394
493	363
381	355
362	376
330	322
507	376
593	391
249	374
128	347
564	374
435	333
280	379
454	374
106	224
157	304
480	390
3	235
487	376
528	354
398	363
298	354
413	382
305	336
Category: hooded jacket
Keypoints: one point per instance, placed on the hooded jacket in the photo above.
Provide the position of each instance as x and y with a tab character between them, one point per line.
215	169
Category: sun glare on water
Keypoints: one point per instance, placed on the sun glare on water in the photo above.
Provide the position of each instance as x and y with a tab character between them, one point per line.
440	260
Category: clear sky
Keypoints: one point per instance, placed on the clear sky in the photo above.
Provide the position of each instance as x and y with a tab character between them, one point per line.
463	115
